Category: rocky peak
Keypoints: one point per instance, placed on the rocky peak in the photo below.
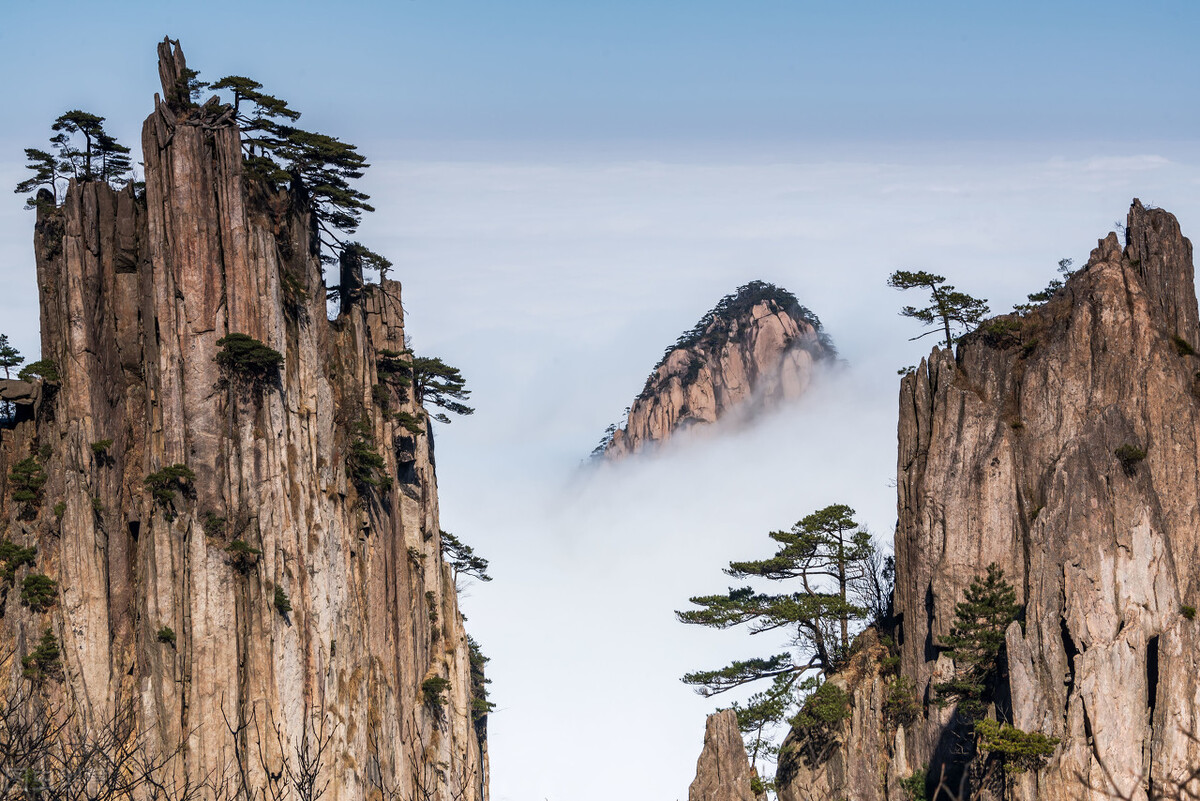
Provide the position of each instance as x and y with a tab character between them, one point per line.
723	771
243	577
1061	445
757	348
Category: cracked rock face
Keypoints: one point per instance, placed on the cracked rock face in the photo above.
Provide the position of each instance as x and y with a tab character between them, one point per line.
135	294
723	771
758	352
1010	451
854	769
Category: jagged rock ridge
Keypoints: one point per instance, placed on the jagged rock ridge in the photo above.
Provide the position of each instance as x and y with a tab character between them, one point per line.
757	348
163	622
1009	453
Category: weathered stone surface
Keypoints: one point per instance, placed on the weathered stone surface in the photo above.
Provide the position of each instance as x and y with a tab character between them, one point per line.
1007	455
135	294
17	391
855	768
723	771
760	354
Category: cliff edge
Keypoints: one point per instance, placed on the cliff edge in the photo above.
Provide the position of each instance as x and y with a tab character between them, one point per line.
1062	445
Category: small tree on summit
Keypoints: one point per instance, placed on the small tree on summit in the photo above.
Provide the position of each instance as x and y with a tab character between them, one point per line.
947	307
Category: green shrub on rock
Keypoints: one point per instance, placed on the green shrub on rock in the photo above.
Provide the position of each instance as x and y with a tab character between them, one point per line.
45	660
39	592
247	362
1018	750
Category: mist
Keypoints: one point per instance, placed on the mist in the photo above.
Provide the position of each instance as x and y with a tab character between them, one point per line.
556	285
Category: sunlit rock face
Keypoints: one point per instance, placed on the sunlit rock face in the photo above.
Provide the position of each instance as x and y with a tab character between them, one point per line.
135	293
1064	446
757	349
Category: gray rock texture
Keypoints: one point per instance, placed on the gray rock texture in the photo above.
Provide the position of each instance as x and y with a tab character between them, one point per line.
1008	454
759	353
135	294
723	771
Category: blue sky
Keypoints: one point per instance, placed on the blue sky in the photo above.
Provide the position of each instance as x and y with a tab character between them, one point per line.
530	71
566	186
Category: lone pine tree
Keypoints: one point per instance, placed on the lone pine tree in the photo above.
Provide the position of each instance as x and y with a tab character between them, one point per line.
831	565
947	307
976	642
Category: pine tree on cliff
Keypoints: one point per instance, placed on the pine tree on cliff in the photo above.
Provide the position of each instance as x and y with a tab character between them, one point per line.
833	567
10	357
976	642
947	307
48	170
438	383
82	149
322	165
826	549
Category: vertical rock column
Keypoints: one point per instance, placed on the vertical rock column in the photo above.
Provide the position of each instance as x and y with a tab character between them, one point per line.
136	294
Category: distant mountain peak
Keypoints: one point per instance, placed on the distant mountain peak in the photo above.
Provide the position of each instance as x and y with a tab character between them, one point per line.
757	348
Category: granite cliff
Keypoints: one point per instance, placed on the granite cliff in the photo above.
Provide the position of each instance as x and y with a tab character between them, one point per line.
1063	445
756	349
248	587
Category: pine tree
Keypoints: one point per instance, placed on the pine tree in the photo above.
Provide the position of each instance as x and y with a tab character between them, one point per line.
322	166
463	559
827	554
10	357
977	640
436	382
1038	298
47	169
947	307
88	125
115	161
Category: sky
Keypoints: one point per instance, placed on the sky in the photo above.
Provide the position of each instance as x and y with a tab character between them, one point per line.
565	187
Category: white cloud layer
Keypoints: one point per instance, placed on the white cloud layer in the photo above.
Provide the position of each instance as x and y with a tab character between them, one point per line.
555	285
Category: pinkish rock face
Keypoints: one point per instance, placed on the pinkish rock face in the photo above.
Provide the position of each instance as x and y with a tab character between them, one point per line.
758	355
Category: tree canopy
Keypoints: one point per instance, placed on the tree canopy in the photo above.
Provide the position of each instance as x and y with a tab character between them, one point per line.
81	149
948	308
834	580
10	357
977	640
